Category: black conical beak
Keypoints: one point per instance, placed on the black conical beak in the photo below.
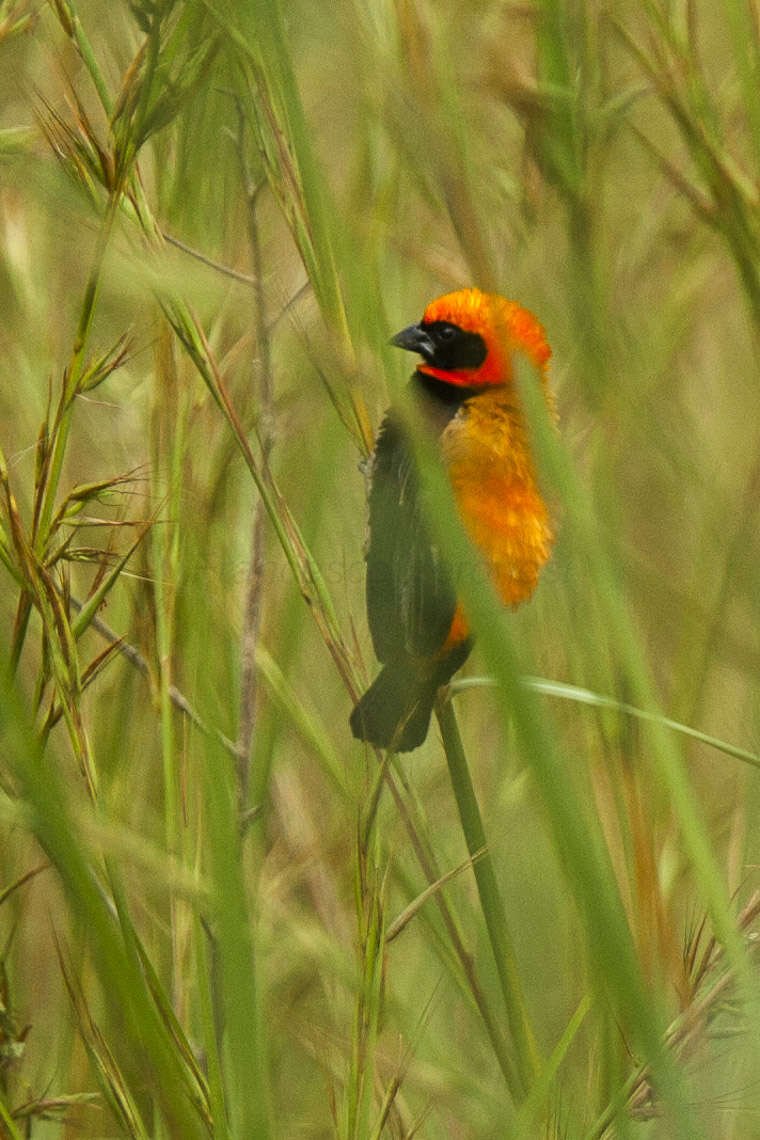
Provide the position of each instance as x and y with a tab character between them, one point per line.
414	339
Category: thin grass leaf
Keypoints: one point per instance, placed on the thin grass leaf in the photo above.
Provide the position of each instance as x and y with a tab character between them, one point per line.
582	696
93	603
56	1108
529	1110
394	1087
307	724
247	1099
89	674
6	892
115	1087
409	912
8	1122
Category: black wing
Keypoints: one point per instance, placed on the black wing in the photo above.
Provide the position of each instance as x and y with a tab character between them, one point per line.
410	597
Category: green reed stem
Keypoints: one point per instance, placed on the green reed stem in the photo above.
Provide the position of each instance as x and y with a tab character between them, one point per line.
528	1059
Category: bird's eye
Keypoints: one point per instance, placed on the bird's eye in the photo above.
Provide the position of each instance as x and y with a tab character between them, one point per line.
447	332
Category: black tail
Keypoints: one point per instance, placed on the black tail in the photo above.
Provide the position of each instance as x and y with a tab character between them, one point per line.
395	710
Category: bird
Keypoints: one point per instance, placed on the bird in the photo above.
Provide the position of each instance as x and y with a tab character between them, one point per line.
468	400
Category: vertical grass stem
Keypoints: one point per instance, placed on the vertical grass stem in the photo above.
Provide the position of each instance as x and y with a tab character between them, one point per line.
528	1060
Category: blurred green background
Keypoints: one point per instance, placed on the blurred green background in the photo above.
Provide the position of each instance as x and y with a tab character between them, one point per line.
219	914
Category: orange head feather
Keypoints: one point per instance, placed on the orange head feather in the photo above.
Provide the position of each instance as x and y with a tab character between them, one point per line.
504	326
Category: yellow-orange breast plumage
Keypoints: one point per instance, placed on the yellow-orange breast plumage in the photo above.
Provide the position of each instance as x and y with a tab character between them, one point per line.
492	474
